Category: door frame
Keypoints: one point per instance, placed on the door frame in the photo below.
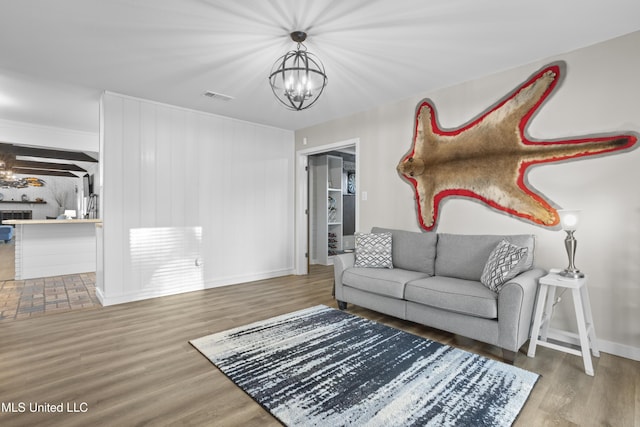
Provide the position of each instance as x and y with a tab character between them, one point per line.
302	197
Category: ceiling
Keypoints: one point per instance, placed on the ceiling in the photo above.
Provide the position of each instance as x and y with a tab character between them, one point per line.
57	56
26	160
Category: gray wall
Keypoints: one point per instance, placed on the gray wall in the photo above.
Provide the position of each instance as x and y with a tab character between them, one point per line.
600	93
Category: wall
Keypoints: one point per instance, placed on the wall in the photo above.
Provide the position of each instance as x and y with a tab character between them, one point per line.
190	200
599	94
48	136
30	134
65	188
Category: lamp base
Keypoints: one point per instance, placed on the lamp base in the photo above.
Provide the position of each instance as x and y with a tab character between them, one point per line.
573	274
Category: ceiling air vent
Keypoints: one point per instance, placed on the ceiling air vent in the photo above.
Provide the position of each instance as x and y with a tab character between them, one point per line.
218	96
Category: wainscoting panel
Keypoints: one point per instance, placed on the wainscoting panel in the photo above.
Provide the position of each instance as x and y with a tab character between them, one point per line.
175	170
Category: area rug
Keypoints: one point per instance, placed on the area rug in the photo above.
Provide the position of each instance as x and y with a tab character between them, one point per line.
325	367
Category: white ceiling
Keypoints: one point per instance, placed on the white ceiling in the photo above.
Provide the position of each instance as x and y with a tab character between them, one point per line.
57	56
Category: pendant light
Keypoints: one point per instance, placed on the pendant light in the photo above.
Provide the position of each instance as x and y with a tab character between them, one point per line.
298	77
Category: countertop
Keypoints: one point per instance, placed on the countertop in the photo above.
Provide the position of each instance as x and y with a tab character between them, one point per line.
51	221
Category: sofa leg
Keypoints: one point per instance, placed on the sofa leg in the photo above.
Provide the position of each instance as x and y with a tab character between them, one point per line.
342	305
509	356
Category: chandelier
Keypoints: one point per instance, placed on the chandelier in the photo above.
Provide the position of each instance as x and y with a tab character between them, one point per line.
298	78
8	178
6	171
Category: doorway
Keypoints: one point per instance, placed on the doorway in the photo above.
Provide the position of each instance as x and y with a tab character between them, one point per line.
313	196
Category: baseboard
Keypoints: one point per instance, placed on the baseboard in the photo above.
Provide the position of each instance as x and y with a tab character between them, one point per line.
617	349
142	295
244	278
100	296
163	292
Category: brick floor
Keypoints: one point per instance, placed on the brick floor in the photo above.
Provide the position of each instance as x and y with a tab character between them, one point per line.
20	299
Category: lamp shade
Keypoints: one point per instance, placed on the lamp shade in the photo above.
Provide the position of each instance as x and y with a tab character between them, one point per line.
569	219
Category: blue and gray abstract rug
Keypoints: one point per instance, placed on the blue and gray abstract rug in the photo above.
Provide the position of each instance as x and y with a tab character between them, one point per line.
325	367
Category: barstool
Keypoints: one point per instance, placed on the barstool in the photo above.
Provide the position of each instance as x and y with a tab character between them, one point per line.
6	233
544	312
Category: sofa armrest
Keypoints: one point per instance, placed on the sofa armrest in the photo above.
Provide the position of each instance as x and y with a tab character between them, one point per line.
340	264
516	302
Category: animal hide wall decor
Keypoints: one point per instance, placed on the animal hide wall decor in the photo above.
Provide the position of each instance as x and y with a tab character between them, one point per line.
488	158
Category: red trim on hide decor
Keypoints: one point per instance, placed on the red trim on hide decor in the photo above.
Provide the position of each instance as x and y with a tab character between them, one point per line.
631	140
621	142
417	197
466	193
543	98
457	131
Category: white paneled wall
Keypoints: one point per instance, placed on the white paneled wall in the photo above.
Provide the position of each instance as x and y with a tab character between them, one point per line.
190	200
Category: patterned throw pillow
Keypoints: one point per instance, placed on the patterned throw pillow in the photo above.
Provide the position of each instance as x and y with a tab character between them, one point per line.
505	262
373	250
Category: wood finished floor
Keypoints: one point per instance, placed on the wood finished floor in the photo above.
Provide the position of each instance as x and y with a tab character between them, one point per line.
132	363
7	259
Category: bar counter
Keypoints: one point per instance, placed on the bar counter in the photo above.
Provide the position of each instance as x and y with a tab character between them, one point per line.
54	247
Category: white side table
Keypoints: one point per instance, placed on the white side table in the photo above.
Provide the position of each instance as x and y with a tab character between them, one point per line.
544	312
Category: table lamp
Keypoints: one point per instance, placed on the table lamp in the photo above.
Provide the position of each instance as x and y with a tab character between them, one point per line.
569	220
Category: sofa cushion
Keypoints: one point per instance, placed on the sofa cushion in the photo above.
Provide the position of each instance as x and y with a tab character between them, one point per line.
461	296
373	250
382	281
412	250
505	262
464	256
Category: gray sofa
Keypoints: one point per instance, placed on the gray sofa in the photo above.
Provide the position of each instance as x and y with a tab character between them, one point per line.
435	281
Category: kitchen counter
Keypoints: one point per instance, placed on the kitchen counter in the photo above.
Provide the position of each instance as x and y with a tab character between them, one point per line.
54	247
52	221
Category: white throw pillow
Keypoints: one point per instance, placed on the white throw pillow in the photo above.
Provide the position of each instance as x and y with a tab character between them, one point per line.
505	262
373	250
